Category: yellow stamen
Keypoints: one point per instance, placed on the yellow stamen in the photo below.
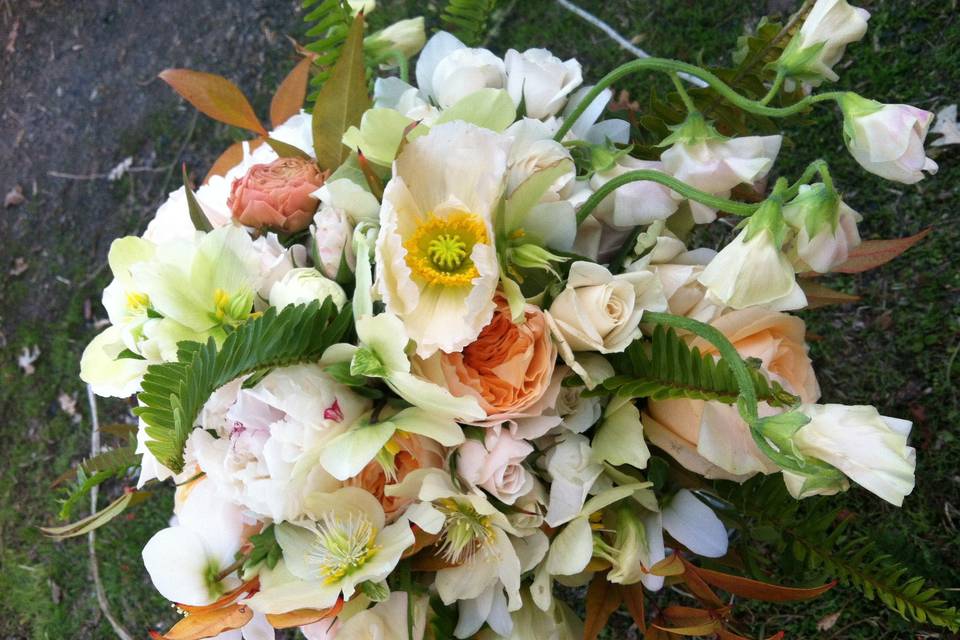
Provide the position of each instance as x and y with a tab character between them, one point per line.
439	250
137	301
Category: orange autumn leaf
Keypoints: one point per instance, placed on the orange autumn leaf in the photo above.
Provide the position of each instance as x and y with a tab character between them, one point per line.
207	624
633	599
756	590
873	253
688	621
603	598
700	589
230	158
291	93
672	565
215	96
821	296
250	586
421	540
301	617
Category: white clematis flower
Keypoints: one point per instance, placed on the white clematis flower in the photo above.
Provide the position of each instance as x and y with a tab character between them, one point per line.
540	80
436	263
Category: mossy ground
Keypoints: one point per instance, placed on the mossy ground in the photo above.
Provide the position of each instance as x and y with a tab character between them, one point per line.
897	348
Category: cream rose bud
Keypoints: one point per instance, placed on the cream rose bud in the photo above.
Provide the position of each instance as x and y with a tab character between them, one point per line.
465	71
867	447
887	139
599	311
405	36
496	465
305	285
829	27
540	81
826	228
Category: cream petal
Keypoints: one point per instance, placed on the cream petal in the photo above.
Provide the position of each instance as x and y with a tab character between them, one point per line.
177	562
695	525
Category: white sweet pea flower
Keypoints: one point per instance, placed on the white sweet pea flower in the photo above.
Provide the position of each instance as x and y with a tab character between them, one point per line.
448	70
704	159
635	203
346	543
826	228
827	30
887	139
437	267
302	286
752	270
540	80
694	525
383	354
184	561
869	448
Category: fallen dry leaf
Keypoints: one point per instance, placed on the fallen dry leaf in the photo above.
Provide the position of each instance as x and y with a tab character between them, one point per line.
12	37
947	126
68	404
14	197
19	266
26	359
827	622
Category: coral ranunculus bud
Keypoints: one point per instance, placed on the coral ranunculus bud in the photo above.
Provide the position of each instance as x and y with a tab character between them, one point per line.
277	195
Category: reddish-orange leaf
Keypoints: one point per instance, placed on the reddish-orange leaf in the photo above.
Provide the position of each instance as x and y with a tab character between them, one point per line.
421	540
215	96
207	624
672	565
687	621
230	158
301	617
873	253
700	589
603	598
633	598
756	590
291	93
821	296
430	559
250	586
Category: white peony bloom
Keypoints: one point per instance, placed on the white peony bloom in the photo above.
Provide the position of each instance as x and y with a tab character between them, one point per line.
184	560
540	80
448	70
752	271
437	267
826	228
269	438
827	30
716	165
635	203
302	286
868	448
887	139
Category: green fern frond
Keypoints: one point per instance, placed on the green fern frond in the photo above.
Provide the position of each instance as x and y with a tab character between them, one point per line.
174	393
469	19
328	22
667	367
810	536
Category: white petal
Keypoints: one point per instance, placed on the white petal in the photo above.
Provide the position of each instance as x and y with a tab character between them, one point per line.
571	549
178	565
695	525
346	455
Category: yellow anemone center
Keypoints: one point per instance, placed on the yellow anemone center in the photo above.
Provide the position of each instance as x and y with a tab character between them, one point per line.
137	302
439	250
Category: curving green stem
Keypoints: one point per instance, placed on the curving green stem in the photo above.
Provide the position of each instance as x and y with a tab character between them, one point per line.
674	66
723	204
774	88
816	167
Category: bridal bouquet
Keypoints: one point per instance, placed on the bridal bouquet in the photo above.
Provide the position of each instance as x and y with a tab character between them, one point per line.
413	362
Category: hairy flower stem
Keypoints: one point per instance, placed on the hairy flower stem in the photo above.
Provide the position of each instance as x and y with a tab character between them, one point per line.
673	66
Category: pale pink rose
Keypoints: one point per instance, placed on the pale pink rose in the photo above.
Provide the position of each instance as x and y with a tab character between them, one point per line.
508	368
496	465
277	195
710	438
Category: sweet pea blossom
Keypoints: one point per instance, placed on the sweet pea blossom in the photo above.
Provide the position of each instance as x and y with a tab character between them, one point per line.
887	139
826	228
827	30
867	447
540	80
448	70
635	203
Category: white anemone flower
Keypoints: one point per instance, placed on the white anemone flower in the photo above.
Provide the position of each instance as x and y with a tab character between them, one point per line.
437	267
346	544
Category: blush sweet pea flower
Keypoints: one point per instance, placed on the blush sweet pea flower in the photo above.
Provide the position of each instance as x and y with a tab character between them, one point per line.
277	196
887	139
540	81
826	228
827	30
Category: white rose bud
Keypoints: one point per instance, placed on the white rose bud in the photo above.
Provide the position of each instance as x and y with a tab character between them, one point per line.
404	36
887	139
301	286
599	311
826	228
463	72
541	81
867	447
752	270
829	27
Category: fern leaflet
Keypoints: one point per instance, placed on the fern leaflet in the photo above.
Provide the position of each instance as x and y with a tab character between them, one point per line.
469	19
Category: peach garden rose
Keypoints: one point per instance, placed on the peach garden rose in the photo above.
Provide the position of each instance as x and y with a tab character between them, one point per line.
277	195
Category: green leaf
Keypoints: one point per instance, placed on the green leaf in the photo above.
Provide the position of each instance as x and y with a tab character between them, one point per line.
174	392
285	150
197	216
666	367
266	549
341	101
128	354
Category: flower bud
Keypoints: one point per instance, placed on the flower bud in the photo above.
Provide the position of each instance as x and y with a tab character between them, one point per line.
277	195
540	81
829	27
887	139
404	36
304	285
826	228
